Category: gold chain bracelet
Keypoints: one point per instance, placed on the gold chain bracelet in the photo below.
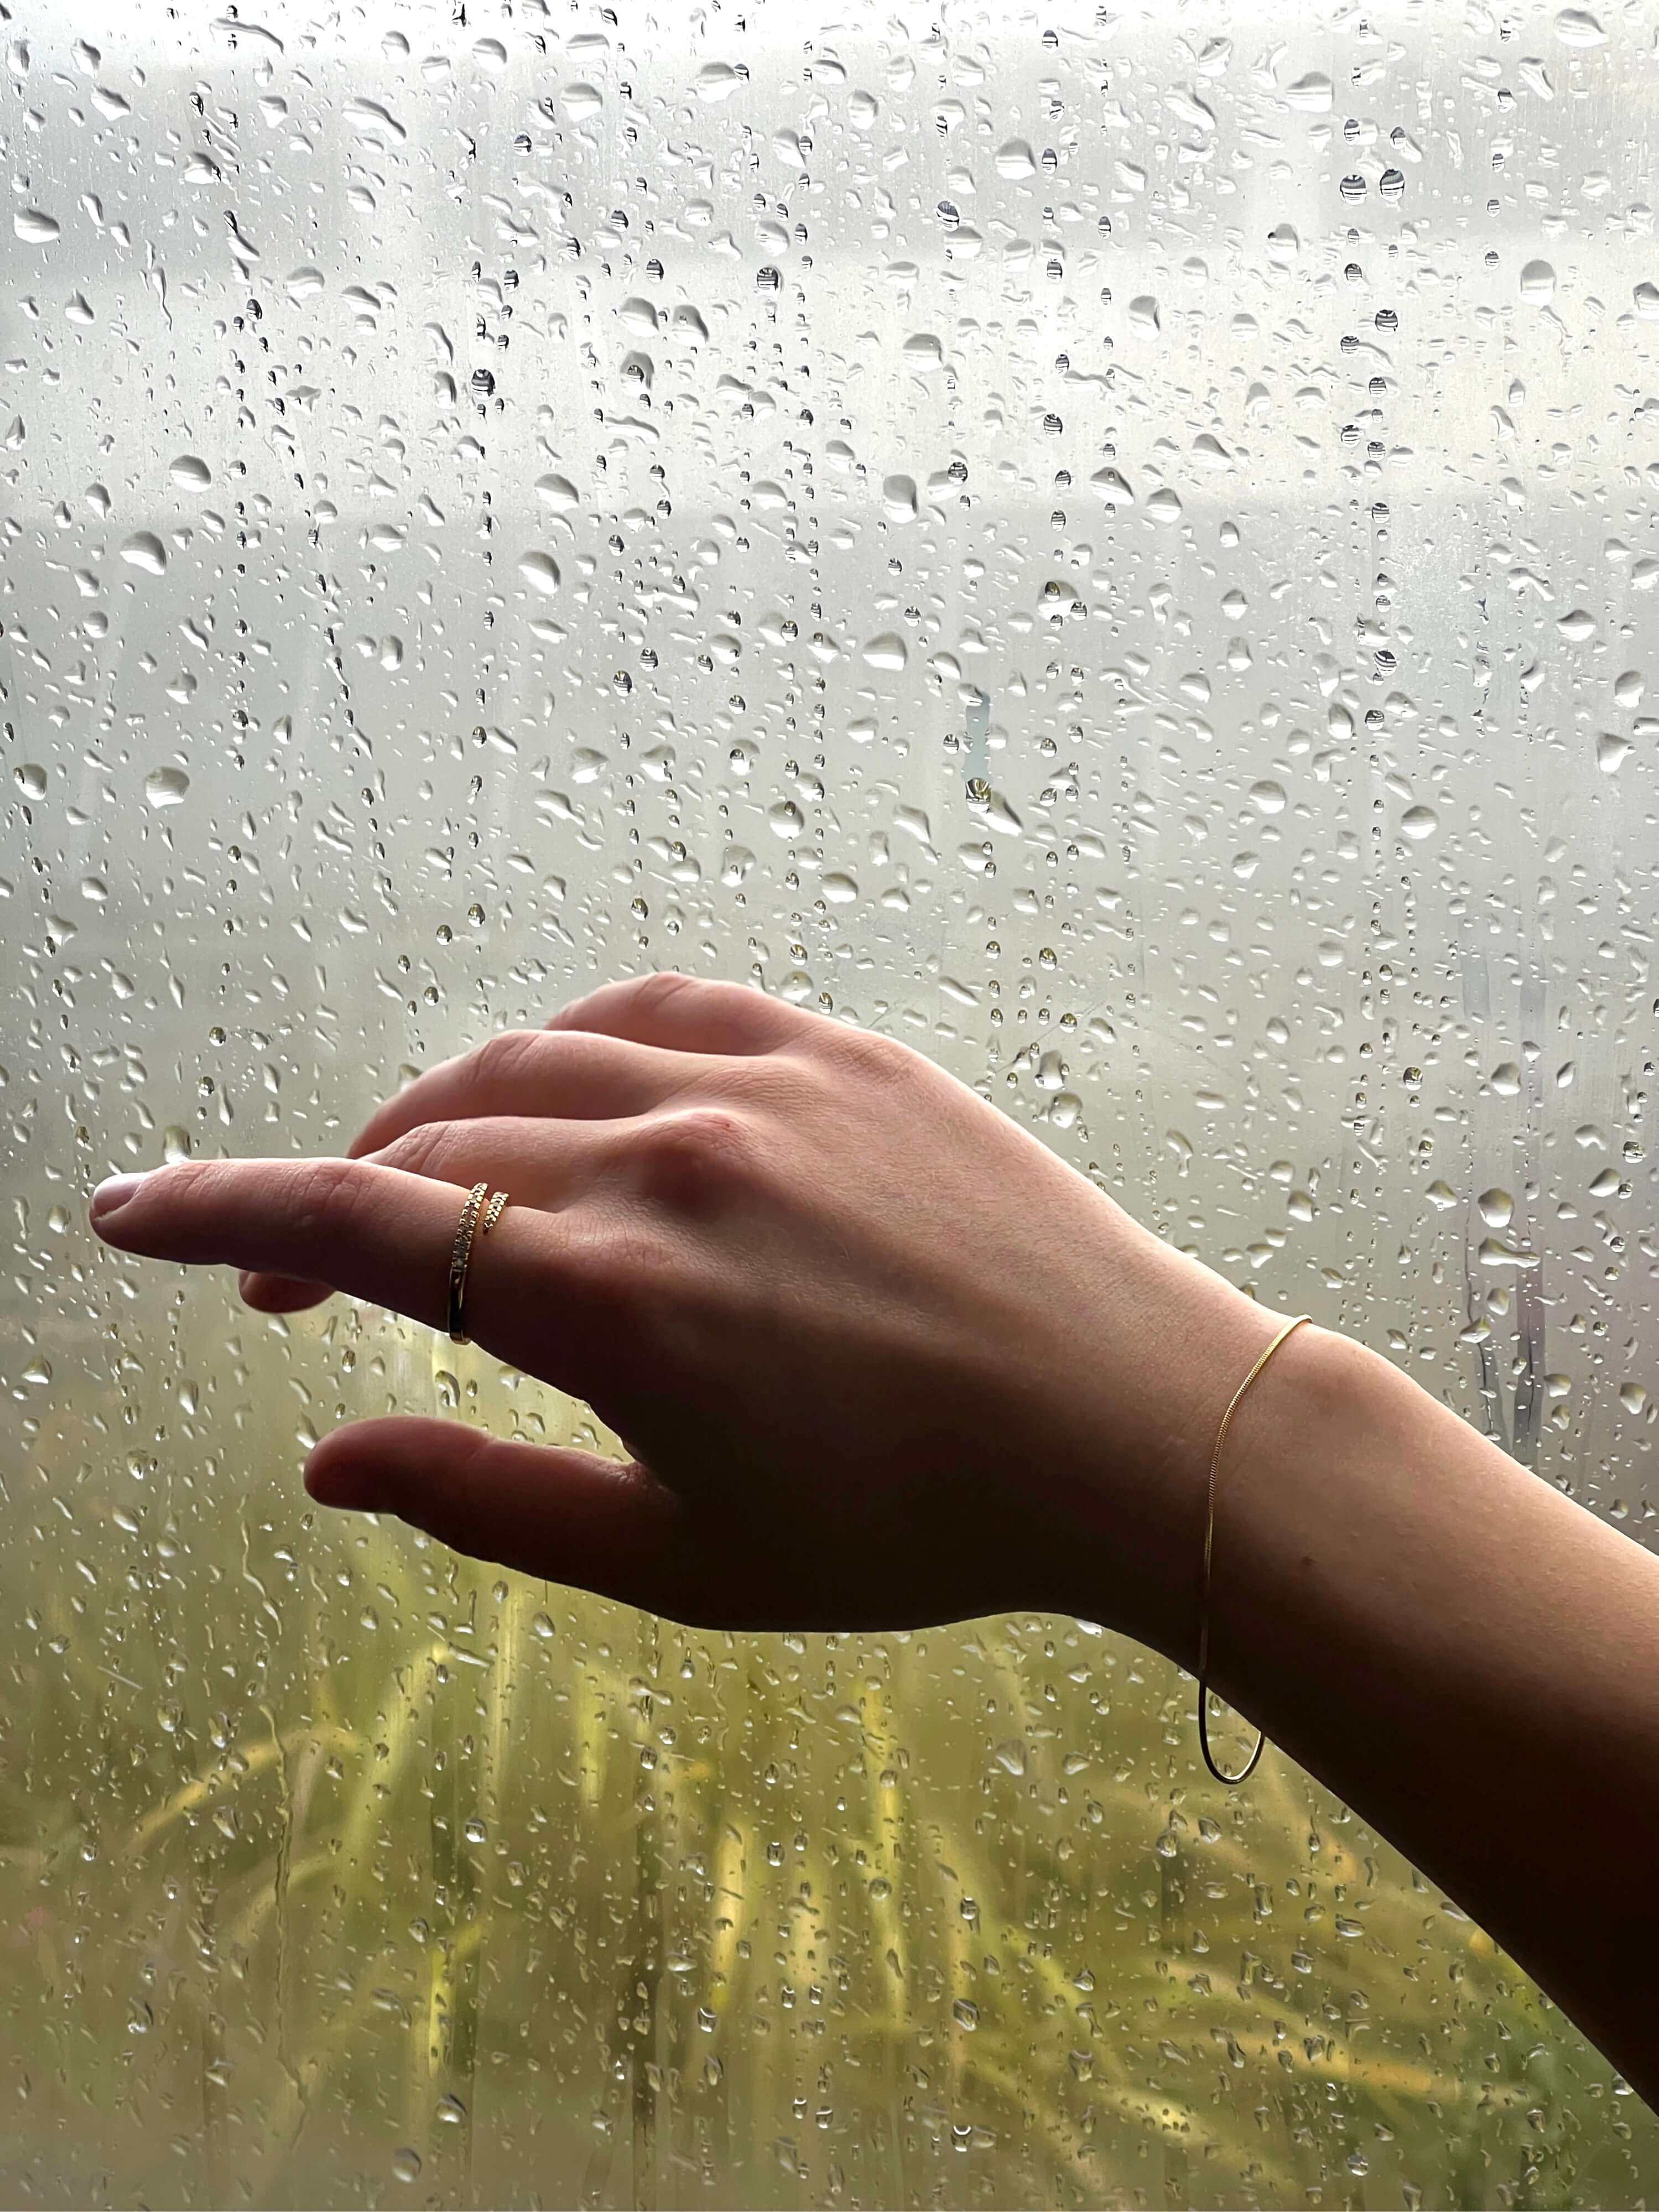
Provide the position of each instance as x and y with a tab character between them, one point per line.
1209	1538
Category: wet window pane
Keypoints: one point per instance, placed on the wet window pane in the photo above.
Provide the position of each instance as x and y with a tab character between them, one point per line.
1112	545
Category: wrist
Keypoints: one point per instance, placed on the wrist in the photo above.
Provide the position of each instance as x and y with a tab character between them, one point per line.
1292	1434
1321	1515
1125	1490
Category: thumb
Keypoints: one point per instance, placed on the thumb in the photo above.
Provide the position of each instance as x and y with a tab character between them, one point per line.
568	1516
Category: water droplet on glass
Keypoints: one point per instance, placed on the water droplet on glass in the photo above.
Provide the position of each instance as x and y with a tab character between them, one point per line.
888	651
166	786
1113	487
1577	26
1538	282
1497	1208
899	497
191	472
1284	244
35	227
1419	822
371	120
541	572
145	550
1311	93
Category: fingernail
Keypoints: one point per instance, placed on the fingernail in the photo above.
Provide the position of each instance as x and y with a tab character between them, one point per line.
114	1192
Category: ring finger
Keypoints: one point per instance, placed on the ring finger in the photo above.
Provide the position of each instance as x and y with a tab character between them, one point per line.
566	1076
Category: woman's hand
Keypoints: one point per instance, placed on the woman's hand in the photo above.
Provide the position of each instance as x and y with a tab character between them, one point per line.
883	1359
886	1361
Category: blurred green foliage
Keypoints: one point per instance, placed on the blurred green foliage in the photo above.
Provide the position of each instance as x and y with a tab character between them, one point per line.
338	1869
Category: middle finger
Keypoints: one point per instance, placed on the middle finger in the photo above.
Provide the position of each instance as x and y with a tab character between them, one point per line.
560	1074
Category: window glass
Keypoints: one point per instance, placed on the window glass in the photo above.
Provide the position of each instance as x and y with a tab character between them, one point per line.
1112	544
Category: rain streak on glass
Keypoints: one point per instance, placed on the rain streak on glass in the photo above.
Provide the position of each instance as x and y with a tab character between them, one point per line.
1114	545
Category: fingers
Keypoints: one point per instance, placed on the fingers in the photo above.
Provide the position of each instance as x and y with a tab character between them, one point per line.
569	1516
532	1073
535	1166
536	1163
377	1232
687	1014
623	1051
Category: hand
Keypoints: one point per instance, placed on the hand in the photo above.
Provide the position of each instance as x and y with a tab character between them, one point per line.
882	1358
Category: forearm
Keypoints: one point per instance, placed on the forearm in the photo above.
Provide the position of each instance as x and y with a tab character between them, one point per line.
1466	1657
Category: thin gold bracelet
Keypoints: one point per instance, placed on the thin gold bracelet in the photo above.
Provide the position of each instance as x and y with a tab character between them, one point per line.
1209	1537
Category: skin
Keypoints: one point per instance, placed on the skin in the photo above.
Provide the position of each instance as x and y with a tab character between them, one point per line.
856	1325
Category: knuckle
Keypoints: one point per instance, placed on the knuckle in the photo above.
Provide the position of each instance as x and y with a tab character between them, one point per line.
772	1092
873	1059
685	1160
653	993
197	1182
208	1193
326	1195
426	1150
504	1056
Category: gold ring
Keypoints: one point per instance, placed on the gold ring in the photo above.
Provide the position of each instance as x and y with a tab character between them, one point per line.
460	1252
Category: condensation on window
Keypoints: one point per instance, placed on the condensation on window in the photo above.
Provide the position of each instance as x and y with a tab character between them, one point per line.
1114	544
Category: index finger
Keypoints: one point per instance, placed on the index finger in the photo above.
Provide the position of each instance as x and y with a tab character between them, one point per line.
376	1232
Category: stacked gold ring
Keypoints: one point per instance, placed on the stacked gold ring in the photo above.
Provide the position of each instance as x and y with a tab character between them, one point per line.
467	1230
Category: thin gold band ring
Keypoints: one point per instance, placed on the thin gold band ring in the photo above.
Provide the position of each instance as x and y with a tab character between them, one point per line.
468	1230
